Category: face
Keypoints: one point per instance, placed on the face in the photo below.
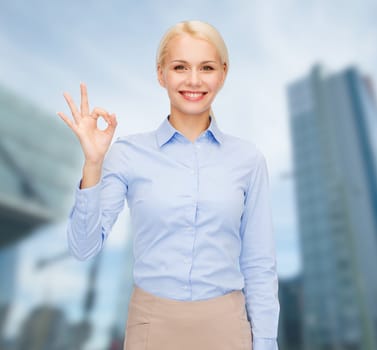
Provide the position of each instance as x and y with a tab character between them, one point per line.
192	75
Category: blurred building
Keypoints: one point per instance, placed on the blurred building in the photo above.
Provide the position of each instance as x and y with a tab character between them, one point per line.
45	328
334	133
8	263
117	335
40	160
290	320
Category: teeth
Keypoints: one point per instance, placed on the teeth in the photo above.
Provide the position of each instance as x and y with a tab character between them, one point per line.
193	94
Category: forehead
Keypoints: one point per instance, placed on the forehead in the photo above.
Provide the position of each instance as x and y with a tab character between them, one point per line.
188	48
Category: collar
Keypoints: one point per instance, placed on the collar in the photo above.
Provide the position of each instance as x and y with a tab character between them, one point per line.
166	131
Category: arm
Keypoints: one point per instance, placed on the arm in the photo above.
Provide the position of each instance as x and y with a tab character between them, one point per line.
97	207
98	201
258	260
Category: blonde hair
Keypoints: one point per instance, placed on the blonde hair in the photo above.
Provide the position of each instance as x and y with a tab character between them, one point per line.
196	29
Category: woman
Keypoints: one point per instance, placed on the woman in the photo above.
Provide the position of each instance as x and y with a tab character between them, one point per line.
205	267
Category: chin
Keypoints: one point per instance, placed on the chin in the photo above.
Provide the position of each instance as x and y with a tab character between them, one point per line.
198	114
194	111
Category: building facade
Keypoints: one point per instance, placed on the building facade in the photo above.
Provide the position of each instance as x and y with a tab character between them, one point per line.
40	160
333	119
290	321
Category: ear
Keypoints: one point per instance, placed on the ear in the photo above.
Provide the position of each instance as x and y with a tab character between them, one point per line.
224	74
160	76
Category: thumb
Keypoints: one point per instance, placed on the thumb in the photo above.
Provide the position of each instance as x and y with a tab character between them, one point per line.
112	122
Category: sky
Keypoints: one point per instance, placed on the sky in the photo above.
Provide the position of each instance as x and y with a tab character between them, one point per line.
47	48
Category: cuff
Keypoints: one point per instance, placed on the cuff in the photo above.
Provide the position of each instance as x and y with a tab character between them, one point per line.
265	344
87	199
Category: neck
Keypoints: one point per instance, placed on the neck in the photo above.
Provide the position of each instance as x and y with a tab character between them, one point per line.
191	126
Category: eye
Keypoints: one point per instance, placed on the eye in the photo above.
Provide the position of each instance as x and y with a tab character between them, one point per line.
208	68
179	67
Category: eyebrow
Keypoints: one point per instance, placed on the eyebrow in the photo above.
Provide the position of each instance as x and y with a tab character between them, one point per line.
183	61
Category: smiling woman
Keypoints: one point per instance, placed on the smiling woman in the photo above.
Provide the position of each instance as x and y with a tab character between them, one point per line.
180	42
205	266
192	73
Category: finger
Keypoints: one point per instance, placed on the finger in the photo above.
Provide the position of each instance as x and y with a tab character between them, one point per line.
68	121
99	112
111	124
111	121
72	106
84	100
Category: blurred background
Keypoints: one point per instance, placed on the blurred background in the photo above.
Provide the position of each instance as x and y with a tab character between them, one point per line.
300	85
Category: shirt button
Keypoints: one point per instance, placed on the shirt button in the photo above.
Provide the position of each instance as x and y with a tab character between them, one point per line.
197	146
192	171
185	287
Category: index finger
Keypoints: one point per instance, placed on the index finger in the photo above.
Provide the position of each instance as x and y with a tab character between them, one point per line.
84	100
72	106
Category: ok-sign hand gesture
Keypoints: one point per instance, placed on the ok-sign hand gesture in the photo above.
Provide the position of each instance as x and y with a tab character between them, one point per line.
94	142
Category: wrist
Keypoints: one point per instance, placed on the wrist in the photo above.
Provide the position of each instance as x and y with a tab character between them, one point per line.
95	165
91	174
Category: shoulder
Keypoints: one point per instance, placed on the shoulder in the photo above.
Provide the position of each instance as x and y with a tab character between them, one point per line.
244	148
135	138
133	141
124	147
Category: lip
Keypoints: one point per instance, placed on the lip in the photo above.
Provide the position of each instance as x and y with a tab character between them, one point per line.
193	95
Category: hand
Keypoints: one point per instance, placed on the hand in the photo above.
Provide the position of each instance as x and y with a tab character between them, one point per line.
94	142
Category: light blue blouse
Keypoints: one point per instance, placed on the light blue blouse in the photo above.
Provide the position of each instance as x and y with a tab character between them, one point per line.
200	216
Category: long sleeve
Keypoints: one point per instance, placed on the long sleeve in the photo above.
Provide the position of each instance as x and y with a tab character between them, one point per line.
96	208
258	260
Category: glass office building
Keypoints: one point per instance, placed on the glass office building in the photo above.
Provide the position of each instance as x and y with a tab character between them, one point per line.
333	119
40	161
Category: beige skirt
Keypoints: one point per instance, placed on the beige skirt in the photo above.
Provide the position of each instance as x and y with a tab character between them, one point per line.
156	323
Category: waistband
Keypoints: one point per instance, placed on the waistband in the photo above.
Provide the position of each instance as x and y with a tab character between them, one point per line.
230	303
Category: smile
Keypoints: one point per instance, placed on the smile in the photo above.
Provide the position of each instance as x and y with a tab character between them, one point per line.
193	95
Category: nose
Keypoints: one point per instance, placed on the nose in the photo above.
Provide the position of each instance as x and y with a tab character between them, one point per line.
193	78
